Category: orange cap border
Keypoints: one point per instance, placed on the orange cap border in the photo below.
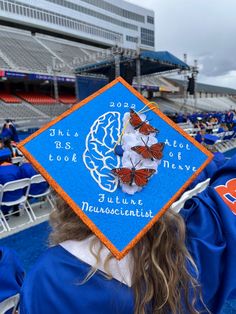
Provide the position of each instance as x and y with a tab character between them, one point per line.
118	254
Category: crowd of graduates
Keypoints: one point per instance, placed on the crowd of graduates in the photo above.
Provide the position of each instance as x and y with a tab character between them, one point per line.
10	171
227	117
208	127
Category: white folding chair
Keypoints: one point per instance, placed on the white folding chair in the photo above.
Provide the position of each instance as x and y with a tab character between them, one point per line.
21	184
2	218
9	304
17	160
37	179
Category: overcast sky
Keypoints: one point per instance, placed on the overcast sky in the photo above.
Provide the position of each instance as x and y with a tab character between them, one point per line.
204	29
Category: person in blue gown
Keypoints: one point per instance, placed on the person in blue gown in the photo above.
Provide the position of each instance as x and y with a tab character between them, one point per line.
157	276
210	220
9	131
11	274
217	162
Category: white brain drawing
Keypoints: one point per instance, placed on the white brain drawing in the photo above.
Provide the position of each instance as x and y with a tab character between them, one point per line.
99	157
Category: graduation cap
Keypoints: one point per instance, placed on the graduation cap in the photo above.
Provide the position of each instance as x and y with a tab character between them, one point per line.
5	154
118	161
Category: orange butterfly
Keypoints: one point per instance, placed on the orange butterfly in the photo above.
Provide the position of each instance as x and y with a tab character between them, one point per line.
153	152
128	176
137	123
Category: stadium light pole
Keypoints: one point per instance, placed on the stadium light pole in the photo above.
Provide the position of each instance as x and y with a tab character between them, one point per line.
195	73
55	83
117	55
185	83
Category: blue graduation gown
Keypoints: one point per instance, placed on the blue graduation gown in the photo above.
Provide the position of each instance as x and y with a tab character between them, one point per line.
7	133
11	273
211	236
217	162
53	286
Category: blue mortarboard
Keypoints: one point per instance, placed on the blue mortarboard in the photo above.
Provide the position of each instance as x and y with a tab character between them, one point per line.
118	161
5	154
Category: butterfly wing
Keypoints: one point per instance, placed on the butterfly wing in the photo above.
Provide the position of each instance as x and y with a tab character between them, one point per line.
124	174
143	151
135	120
141	176
156	150
147	129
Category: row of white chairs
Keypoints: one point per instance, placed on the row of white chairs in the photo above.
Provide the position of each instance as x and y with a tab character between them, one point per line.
23	202
225	145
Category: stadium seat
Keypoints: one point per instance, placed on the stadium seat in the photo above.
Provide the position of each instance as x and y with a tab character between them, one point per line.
10	304
36	98
8	98
21	184
37	179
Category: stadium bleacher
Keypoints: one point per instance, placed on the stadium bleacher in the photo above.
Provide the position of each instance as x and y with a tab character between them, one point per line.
52	110
20	50
23	51
18	111
205	104
36	98
62	49
9	98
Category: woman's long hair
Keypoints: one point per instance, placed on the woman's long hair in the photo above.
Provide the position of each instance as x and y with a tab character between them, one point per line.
161	281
